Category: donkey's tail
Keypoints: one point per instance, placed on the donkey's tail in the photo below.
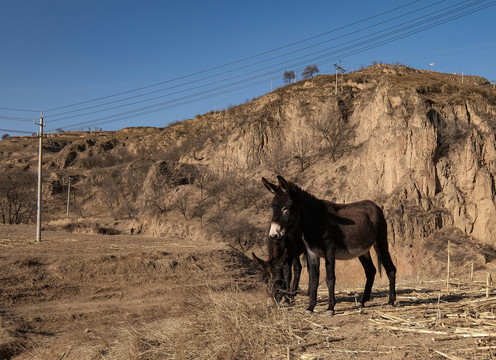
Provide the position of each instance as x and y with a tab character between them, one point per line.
379	265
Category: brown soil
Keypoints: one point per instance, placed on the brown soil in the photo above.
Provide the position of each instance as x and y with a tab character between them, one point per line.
80	296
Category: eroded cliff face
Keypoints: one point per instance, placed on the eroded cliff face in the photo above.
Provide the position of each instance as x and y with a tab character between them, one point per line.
421	144
429	158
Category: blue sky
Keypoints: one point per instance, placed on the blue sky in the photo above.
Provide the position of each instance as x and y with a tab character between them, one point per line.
113	64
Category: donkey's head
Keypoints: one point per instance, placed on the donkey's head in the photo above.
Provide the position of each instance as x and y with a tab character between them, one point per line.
285	215
273	274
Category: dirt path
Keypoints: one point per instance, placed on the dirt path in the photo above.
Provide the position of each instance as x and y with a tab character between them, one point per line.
77	296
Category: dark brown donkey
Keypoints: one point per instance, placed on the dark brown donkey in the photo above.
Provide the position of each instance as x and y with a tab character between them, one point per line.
283	264
332	231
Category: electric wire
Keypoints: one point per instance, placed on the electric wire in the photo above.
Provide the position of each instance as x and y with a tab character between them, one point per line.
396	37
365	40
17	131
354	50
236	61
54	116
15	118
22	110
119	116
127	115
237	82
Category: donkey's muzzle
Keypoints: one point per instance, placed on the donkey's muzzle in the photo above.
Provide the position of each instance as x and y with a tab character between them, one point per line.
275	231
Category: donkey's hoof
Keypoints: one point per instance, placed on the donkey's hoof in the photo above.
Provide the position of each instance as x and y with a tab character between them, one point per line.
331	312
310	309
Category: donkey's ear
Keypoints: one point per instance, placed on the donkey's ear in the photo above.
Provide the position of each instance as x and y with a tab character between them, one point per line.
259	261
283	184
271	187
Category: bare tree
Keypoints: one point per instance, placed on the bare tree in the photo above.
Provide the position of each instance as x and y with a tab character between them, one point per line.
182	203
202	180
215	190
131	187
129	206
336	132
278	158
200	210
157	193
17	196
237	232
76	206
309	71
288	76
249	191
110	193
300	149
231	192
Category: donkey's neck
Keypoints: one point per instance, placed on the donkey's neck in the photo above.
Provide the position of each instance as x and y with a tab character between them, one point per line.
313	211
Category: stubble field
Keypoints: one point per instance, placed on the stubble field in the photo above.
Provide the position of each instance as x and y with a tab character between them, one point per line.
81	296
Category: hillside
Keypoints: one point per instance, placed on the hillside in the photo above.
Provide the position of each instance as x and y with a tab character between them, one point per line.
421	144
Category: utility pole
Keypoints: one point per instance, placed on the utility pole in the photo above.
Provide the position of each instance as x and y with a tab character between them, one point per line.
338	67
68	197
40	159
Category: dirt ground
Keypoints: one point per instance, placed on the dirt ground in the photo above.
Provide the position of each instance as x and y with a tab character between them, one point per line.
79	296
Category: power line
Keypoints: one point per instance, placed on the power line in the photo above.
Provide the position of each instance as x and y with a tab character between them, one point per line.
152	108
180	95
24	110
363	40
15	118
238	68
367	41
234	62
354	50
17	131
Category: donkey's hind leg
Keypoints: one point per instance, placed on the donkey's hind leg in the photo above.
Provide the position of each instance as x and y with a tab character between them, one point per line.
370	271
391	273
384	258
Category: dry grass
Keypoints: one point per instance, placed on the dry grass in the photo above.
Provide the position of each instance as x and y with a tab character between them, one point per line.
83	296
224	325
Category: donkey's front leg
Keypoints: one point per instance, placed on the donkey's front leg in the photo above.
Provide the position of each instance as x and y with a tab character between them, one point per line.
313	279
296	274
330	263
287	274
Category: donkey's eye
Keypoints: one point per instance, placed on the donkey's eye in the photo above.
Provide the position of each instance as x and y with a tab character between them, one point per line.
284	210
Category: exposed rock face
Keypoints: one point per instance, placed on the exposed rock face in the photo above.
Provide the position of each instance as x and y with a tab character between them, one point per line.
422	145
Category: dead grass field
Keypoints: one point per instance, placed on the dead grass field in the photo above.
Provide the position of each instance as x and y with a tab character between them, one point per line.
77	296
